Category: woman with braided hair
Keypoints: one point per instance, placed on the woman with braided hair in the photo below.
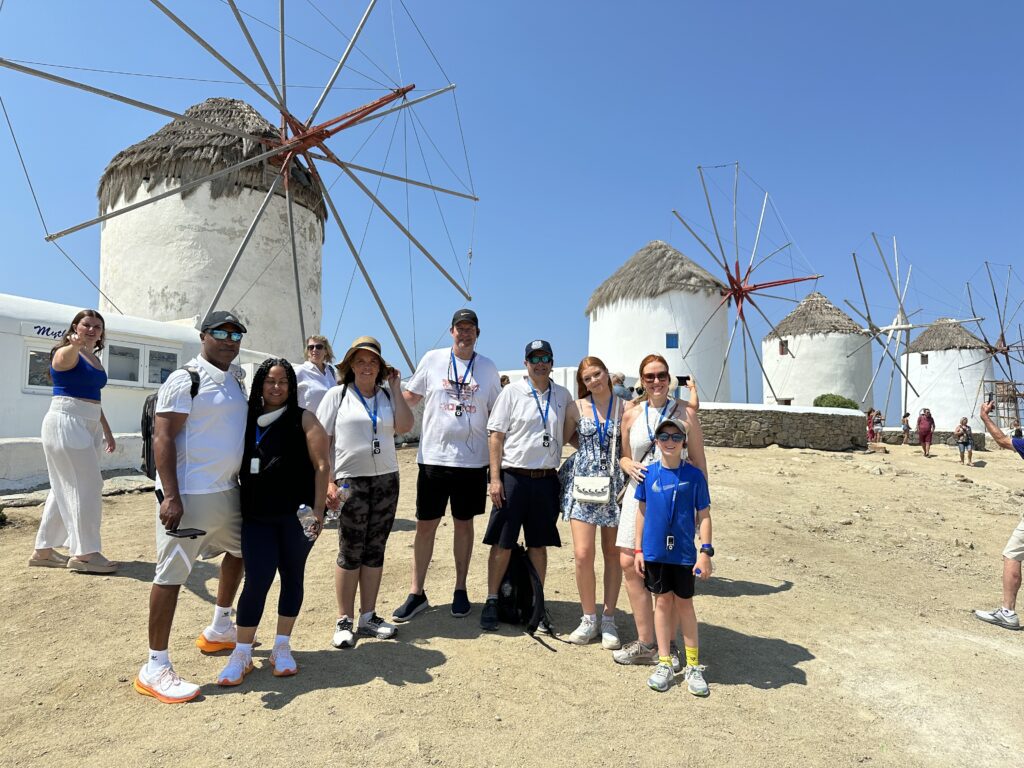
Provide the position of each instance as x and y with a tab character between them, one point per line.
285	465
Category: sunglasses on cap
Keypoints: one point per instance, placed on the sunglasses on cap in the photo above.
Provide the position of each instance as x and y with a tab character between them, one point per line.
650	378
675	437
539	359
221	335
311	347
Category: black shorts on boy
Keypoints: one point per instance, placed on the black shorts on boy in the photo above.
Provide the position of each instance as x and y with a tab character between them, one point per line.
662	578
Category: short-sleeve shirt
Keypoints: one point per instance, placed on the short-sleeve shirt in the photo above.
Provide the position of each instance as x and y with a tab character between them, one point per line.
518	413
448	440
350	427
312	385
210	445
687	487
1018	445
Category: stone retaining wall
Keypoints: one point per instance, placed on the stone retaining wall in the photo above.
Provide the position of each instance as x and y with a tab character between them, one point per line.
738	425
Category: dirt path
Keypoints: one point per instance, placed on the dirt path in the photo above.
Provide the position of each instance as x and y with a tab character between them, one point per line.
836	632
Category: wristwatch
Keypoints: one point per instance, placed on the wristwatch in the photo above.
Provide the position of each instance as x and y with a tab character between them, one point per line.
707	549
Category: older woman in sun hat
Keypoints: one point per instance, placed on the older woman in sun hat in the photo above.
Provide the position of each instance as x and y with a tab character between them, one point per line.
315	376
362	417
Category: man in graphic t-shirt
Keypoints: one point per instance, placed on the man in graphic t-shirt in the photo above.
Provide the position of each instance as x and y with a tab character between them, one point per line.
458	387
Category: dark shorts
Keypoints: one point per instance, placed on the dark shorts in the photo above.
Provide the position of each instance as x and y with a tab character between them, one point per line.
662	578
464	487
531	505
366	520
925	438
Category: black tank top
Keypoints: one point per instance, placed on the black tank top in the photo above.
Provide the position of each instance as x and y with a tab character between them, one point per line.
286	476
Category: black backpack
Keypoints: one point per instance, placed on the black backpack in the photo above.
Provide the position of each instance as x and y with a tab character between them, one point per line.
149	421
521	594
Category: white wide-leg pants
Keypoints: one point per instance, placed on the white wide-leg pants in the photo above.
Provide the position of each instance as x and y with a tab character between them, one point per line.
72	437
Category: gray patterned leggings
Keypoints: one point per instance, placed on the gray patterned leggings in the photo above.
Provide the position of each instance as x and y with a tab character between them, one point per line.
366	520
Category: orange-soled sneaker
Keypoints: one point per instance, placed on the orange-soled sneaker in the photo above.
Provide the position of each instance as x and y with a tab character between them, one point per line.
211	641
282	661
165	686
234	672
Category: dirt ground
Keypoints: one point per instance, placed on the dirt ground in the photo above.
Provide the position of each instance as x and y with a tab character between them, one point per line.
836	630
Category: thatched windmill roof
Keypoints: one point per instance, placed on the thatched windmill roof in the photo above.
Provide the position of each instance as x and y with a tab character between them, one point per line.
815	314
182	151
655	269
945	334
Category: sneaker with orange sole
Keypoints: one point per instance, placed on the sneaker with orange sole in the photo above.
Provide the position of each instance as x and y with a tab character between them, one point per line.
282	661
234	672
165	686
211	641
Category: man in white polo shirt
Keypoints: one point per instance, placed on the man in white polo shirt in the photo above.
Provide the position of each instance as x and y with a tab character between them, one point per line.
198	443
458	387
525	443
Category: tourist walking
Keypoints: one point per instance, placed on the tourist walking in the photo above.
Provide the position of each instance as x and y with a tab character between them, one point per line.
361	418
458	387
1006	615
905	426
871	425
639	448
316	375
590	501
285	469
73	430
619	386
198	440
964	441
526	429
925	428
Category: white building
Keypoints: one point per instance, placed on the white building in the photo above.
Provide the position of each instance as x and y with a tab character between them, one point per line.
947	364
656	303
829	355
166	260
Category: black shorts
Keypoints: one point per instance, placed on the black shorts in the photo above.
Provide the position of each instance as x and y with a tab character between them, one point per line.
531	505
662	578
465	487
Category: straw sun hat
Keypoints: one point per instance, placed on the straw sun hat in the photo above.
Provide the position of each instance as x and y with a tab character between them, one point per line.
370	344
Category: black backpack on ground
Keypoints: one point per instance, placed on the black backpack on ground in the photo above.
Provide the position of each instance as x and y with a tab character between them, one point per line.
149	421
521	594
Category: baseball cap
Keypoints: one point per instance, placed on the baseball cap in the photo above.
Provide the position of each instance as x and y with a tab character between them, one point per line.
465	316
221	317
539	345
677	423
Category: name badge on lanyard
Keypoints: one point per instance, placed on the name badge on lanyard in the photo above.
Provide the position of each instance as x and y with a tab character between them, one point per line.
254	462
374	442
546	439
460	384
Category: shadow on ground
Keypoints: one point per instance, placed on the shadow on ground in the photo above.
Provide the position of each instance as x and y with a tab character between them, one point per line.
719	587
734	658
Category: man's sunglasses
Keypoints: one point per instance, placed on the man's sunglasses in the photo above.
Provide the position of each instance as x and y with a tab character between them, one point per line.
650	378
675	437
311	347
221	335
539	359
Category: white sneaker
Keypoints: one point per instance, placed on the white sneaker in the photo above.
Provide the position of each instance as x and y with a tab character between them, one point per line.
610	634
239	665
344	637
282	660
165	686
376	627
585	632
212	641
1000	617
695	684
677	664
661	678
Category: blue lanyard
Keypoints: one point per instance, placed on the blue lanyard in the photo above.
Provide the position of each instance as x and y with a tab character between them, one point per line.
602	434
372	414
455	368
677	475
647	417
547	407
261	432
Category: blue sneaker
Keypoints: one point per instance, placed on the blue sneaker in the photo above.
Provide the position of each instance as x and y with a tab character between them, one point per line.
489	615
460	604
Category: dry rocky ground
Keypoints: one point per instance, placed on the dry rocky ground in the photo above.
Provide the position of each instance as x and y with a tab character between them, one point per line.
837	631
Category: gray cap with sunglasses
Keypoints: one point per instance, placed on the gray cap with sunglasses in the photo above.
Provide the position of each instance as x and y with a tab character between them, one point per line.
677	423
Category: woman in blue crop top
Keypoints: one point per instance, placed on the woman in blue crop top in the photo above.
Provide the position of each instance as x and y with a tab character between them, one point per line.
72	432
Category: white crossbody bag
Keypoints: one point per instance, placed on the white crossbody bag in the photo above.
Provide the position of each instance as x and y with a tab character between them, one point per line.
597	489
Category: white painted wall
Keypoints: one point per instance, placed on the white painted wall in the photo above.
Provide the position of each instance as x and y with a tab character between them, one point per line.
623	333
819	365
948	389
166	260
23	466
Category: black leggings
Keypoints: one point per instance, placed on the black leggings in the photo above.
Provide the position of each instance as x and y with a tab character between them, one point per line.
269	546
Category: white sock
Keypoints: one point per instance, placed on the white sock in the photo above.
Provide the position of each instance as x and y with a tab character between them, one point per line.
365	617
157	661
221	618
607	618
492	597
591	617
1008	612
282	640
245	648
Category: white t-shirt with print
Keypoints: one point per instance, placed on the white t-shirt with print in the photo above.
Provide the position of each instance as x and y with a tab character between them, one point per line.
350	427
516	413
313	385
448	440
209	446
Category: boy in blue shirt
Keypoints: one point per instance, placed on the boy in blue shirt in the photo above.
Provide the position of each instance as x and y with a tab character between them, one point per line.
674	500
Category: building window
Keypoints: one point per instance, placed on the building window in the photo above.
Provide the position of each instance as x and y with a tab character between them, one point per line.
924	359
783	349
671	341
784	401
160	364
38	369
123	363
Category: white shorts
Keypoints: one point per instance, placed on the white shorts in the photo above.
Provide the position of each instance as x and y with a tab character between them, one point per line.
219	514
1015	546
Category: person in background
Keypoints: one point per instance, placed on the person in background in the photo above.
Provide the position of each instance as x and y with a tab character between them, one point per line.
504	380
871	425
316	375
361	418
1018	432
925	428
1006	615
905	426
285	465
964	441
879	424
73	430
619	386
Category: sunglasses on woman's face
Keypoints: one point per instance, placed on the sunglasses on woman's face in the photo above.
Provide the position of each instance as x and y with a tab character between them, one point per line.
675	437
650	378
539	359
221	335
311	347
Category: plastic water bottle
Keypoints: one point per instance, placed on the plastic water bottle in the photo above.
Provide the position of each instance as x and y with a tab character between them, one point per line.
307	518
344	493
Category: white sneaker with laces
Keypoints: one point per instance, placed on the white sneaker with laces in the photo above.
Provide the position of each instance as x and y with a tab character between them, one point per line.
610	634
661	678
636	652
239	665
1000	617
282	660
344	637
677	664
165	686
694	677
585	632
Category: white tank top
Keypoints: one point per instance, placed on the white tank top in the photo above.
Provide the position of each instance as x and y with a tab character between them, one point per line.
640	439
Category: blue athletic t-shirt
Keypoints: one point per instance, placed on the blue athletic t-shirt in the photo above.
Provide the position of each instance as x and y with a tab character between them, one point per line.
661	518
1018	445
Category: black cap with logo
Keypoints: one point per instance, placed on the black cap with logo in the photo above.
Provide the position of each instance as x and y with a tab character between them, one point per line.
465	316
221	317
538	346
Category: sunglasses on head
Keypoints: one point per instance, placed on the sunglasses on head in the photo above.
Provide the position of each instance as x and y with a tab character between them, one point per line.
221	335
539	359
659	376
311	347
675	437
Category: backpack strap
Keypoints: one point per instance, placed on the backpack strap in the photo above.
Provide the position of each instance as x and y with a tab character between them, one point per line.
193	374
344	391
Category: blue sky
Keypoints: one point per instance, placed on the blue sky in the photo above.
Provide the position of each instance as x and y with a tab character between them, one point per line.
584	124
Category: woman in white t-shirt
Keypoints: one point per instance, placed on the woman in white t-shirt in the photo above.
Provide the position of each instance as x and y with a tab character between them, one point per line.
315	376
361	418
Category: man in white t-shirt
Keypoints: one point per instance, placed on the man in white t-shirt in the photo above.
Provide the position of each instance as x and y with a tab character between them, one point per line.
198	441
526	426
458	388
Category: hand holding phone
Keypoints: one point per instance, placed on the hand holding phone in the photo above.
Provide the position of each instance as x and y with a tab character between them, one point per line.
187	533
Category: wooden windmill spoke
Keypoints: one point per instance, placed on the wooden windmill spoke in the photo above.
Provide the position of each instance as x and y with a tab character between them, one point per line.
255	51
373	171
757	235
700	240
711	212
280	54
874	376
295	253
757	356
406	104
777	251
775	330
707	322
341	63
725	360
